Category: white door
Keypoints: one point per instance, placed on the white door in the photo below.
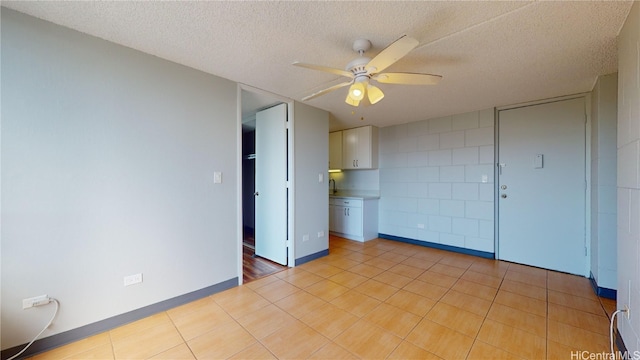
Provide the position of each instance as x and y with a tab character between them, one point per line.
271	184
541	186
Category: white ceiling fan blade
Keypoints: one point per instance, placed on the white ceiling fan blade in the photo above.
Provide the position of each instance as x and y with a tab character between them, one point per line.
407	78
325	69
391	54
322	92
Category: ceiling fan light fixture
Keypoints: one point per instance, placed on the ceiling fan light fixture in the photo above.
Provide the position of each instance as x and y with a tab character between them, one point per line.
356	91
374	94
349	100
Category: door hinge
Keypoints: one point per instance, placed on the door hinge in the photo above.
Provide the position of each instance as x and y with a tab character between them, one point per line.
585	251
288	184
286	243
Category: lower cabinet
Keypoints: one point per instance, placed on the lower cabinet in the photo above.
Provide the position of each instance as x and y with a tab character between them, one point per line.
355	219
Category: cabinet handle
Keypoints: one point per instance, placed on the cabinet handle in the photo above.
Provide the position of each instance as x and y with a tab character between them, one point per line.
357	165
345	211
354	163
348	212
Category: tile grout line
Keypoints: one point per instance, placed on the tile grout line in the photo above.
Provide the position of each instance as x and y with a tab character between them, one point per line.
475	339
181	336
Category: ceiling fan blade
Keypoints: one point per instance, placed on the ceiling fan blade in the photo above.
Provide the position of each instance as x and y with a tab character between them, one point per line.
391	54
325	69
407	78
322	92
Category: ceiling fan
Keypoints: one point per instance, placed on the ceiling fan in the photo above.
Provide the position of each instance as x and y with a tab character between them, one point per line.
362	70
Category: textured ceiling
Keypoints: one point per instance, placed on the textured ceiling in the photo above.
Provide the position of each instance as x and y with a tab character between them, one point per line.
489	53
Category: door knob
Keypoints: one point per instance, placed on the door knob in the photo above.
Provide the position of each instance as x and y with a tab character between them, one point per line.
256	193
503	187
504	196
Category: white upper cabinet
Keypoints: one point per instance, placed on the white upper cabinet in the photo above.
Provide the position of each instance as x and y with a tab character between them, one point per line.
360	148
335	150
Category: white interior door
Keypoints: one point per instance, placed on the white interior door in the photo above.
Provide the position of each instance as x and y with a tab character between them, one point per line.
271	184
541	186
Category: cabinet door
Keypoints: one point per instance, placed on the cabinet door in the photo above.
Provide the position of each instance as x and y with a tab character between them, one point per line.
360	148
335	218
363	147
349	148
353	221
338	214
335	150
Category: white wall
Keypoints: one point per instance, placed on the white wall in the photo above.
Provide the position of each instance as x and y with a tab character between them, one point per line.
311	159
361	181
629	177
431	173
603	181
107	168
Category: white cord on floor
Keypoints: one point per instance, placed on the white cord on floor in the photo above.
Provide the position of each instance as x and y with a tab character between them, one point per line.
40	333
613	316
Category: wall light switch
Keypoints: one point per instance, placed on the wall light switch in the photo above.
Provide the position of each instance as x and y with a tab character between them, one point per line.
320	177
538	161
217	177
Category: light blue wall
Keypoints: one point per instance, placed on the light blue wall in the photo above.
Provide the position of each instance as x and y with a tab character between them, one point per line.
362	181
107	168
629	178
603	181
311	159
436	180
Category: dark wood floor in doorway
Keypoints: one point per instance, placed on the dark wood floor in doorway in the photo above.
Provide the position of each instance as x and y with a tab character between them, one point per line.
255	267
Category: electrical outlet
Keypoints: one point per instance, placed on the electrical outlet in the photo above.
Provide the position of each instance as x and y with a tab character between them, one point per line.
132	279
35	301
420	226
305	237
320	234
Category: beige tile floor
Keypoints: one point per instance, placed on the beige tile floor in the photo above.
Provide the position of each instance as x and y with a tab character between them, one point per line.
377	300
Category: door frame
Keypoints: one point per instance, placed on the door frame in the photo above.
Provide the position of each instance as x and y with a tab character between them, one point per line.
290	169
587	170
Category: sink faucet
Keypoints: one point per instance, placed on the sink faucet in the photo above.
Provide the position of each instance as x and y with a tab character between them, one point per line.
334	185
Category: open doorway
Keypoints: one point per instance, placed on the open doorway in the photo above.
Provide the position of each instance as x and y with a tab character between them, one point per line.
264	248
253	267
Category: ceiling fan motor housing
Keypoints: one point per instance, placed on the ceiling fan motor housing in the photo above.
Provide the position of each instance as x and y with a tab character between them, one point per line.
358	66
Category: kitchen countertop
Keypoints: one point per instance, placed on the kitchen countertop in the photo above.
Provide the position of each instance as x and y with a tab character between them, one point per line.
354	194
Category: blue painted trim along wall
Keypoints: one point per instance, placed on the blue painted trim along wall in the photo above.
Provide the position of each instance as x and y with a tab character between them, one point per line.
70	336
460	250
602	292
306	259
